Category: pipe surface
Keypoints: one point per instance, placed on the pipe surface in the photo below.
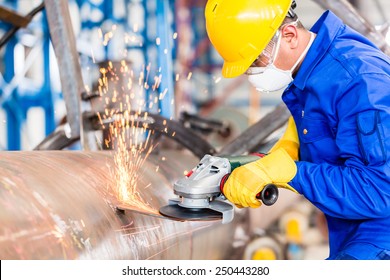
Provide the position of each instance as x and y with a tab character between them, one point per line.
61	205
344	10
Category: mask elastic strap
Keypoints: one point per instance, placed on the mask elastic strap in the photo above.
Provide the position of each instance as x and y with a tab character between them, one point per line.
304	52
280	38
277	47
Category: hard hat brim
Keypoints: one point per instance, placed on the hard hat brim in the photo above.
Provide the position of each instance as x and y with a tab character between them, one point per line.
234	69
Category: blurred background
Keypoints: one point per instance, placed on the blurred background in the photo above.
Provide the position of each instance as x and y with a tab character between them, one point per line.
31	102
158	51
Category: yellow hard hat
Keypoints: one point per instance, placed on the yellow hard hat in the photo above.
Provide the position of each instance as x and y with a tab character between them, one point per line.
241	29
264	254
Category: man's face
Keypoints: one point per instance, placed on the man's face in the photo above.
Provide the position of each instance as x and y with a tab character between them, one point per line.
277	51
267	56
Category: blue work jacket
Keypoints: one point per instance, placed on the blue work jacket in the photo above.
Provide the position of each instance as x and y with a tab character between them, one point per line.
340	101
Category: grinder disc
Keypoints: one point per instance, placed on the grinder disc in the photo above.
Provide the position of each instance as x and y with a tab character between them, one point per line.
190	214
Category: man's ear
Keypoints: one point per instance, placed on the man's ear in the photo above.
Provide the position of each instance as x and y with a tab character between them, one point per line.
290	35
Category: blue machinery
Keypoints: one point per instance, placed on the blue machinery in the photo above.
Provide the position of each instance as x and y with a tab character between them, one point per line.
18	95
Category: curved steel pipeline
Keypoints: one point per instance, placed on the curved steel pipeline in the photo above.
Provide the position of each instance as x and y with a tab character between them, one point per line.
160	126
253	138
60	205
353	18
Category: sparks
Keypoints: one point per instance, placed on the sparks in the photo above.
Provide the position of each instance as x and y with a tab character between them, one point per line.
123	117
129	135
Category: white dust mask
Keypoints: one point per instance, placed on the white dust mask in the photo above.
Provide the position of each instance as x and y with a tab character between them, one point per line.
270	78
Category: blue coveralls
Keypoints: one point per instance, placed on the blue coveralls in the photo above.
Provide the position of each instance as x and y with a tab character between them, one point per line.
340	101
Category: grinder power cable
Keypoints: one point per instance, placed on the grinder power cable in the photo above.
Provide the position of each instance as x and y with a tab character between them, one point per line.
200	192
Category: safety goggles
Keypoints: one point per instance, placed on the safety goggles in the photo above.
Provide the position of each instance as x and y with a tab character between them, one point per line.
267	56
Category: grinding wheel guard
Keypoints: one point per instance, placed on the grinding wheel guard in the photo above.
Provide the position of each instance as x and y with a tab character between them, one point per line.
219	209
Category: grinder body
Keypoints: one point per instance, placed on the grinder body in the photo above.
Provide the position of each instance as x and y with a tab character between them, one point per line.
200	192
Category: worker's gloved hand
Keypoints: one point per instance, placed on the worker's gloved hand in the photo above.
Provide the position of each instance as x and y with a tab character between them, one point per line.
289	141
246	181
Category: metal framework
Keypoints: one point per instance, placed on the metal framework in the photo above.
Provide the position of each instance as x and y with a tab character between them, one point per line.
18	93
158	15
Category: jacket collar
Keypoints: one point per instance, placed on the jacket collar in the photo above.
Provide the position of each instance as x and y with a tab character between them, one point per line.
326	28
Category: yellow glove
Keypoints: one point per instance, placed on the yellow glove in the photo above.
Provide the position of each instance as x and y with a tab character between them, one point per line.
248	180
289	141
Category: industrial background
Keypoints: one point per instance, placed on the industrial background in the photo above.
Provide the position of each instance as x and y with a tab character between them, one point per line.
109	103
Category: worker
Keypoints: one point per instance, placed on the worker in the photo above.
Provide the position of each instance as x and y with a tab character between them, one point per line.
336	149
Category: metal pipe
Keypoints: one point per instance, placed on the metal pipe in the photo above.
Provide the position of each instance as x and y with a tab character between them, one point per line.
344	10
23	22
254	136
64	44
57	140
60	205
159	125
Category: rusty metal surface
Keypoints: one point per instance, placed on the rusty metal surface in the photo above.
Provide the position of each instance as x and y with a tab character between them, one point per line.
13	17
60	205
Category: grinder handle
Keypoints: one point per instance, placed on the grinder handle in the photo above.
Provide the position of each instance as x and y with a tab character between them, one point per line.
268	195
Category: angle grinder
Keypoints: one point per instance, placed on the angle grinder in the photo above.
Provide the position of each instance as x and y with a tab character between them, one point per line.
200	192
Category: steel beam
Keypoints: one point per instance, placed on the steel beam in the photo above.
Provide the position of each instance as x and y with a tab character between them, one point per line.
63	39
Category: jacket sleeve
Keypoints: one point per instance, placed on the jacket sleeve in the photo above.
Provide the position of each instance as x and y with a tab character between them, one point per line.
360	187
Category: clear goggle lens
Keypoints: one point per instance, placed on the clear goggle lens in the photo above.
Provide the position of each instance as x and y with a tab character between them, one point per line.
254	70
267	56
